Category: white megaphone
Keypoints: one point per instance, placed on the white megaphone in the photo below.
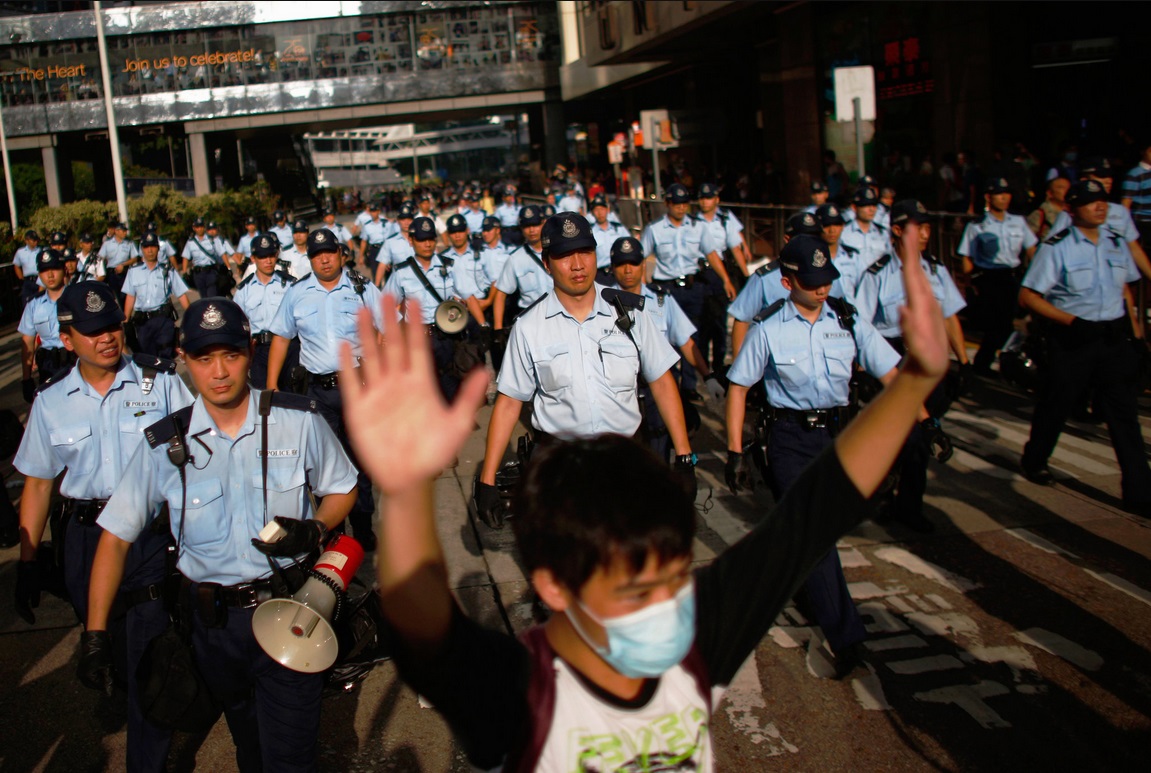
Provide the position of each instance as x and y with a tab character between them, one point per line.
297	632
451	316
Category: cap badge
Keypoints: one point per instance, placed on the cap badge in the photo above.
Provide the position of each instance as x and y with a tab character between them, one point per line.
529	212
919	207
1093	186
1002	182
818	259
93	303
808	219
626	246
570	230
321	236
213	318
832	211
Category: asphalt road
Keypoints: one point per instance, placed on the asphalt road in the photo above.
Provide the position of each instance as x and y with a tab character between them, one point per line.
1014	637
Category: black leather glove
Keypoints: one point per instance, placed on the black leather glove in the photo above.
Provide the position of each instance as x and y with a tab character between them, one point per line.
966	376
488	503
301	537
95	668
684	473
28	385
28	586
485	337
500	338
734	473
937	442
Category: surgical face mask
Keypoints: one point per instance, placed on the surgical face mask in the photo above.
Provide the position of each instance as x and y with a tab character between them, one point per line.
649	641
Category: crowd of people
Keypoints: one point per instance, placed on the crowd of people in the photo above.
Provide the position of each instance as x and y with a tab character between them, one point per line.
331	362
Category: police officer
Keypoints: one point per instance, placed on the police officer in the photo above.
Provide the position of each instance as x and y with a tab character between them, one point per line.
321	309
89	265
993	248
578	357
342	234
675	245
259	296
431	280
846	257
571	201
862	233
727	234
24	263
225	467
373	233
1077	284
764	287
280	228
804	351
148	291
494	253
397	247
167	252
472	214
524	272
818	197
673	324
726	230
87	423
882	213
202	257
39	321
119	254
294	256
244	245
606	234
509	215
469	269
879	296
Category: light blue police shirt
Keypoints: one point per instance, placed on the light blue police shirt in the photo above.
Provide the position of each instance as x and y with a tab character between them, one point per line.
403	283
72	426
244	246
342	234
495	258
299	265
604	239
261	300
677	249
994	244
871	245
724	227
570	204
581	377
395	251
283	233
39	319
668	317
880	294
475	219
26	258
764	289
117	253
807	366
1119	220
224	499
206	251
523	273
324	319
374	231
152	286
1082	278
472	273
509	215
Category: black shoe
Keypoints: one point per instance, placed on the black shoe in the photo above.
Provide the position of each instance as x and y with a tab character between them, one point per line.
9	539
367	540
691	396
847	661
1039	475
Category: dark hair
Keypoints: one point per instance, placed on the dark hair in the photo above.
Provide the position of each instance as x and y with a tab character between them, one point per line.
587	503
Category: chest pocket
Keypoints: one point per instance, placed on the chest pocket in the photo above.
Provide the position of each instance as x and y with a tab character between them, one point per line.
42	315
308	320
1119	262
528	280
840	355
793	364
74	445
620	362
285	489
1080	276
891	298
205	520
554	368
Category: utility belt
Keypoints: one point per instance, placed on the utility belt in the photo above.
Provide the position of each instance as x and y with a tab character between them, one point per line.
685	282
202	269
84	511
167	310
263	338
833	419
1086	330
53	358
210	601
324	380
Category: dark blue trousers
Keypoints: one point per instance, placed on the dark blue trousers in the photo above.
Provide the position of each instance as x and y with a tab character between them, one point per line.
147	744
205	281
273	713
691	300
157	336
258	370
331	407
790	450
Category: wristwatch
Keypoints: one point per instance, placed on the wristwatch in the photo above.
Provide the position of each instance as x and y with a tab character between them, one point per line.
690	460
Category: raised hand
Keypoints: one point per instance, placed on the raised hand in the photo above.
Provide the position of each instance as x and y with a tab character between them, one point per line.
921	320
399	425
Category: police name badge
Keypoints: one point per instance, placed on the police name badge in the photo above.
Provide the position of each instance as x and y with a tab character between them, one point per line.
278	453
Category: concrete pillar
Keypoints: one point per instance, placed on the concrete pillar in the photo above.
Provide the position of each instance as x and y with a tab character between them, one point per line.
555	132
51	176
201	176
799	92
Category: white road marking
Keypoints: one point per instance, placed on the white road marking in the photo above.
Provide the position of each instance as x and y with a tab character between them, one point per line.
970	698
978	464
917	565
1035	541
743	701
869	590
937	600
869	692
882	621
1017	659
917	601
789	637
910	641
1119	584
943	624
925	665
1004	429
1061	647
851	558
900	605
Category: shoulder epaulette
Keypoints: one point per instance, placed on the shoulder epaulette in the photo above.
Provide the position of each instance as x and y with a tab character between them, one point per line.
247	281
293	401
768	311
56	378
1056	238
848	248
529	307
878	265
932	259
1115	237
768	268
305	276
879	226
625	299
158	364
168	427
284	277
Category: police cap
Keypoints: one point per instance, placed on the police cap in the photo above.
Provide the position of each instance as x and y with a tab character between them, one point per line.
151	226
50	259
708	191
213	225
249	220
150	240
86	238
1096	166
997	185
58	237
490	223
809	258
801	223
818	187
214	322
88	307
626	249
676	194
565	233
1086	192
299	226
829	214
198	222
909	210
121	226
32	235
374	206
546	211
422	229
279	215
867	181
865	197
530	215
407	211
457	224
321	241
599	201
509	190
327	211
265	245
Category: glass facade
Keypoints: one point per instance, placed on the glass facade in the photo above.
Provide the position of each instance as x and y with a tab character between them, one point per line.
446	40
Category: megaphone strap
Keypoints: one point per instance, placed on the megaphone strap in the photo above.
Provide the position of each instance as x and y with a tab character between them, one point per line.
337	591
